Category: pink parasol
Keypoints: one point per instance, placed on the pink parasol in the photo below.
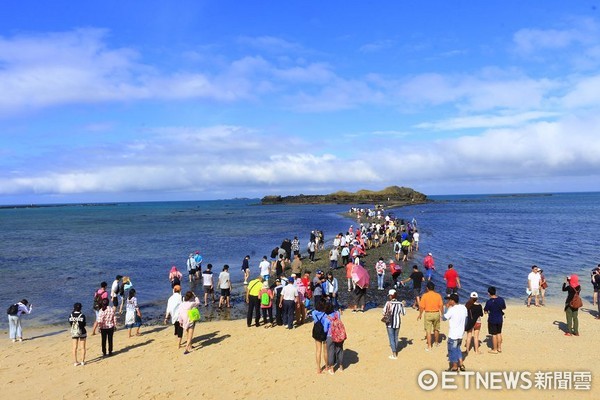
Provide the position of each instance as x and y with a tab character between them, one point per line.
360	276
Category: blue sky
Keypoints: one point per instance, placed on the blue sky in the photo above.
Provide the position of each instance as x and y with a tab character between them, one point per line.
218	99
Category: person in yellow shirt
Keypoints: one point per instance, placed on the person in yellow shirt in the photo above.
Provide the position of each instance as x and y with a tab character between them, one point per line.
432	306
252	290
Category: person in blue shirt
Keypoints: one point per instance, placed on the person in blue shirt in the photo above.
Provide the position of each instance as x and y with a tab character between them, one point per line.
198	259
495	307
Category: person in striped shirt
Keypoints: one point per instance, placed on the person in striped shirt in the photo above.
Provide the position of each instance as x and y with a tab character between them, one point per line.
393	312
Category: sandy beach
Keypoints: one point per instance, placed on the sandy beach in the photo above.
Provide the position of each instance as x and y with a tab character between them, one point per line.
233	361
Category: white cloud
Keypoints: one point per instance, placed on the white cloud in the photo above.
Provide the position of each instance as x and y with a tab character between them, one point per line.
487	121
235	159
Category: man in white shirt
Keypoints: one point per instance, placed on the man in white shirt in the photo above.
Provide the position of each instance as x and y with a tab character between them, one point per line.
289	298
225	286
416	240
533	285
264	266
456	314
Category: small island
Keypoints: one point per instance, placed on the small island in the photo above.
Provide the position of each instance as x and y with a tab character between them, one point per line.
393	196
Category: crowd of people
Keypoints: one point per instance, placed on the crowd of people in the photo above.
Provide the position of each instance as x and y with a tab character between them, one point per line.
282	292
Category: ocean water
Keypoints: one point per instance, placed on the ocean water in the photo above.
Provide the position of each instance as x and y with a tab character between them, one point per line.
55	256
495	239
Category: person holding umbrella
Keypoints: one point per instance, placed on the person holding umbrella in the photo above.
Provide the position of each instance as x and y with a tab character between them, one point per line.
360	277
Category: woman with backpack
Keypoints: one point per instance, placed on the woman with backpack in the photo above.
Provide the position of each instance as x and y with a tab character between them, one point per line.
336	334
15	312
319	334
78	332
572	304
393	310
99	297
265	297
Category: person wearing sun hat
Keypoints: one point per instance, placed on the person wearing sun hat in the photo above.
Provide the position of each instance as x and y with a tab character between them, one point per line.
571	285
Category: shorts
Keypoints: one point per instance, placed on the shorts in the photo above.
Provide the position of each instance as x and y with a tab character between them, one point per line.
494	329
428	273
451	290
115	301
178	329
192	271
209	290
432	321
535	292
416	292
225	292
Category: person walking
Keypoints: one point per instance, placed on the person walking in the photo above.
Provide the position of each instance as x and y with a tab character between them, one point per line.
473	324
246	268
107	322
417	279
572	287
208	285
456	315
429	265
175	276
495	307
78	333
319	334
452	280
393	310
431	305
188	316
173	312
15	312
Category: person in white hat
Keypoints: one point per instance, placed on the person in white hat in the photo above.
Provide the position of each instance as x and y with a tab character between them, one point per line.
392	312
473	324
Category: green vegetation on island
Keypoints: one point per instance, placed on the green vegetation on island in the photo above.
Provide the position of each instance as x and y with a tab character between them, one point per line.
390	196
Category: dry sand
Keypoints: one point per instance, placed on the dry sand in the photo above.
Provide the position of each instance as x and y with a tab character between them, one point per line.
231	361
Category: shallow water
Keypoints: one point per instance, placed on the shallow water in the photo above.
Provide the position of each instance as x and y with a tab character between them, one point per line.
56	256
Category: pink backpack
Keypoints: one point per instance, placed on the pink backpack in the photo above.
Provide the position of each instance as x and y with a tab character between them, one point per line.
337	329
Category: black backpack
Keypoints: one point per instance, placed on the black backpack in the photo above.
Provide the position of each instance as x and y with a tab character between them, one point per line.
318	332
13	309
97	301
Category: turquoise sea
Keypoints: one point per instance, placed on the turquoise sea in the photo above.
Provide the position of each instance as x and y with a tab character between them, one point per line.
55	256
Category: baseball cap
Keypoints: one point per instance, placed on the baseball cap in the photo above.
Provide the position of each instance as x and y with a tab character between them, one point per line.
391	292
474	295
429	254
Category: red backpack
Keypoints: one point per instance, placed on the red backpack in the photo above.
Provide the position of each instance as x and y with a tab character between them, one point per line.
337	329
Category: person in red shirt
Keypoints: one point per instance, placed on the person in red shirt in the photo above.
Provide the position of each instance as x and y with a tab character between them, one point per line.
452	280
429	264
